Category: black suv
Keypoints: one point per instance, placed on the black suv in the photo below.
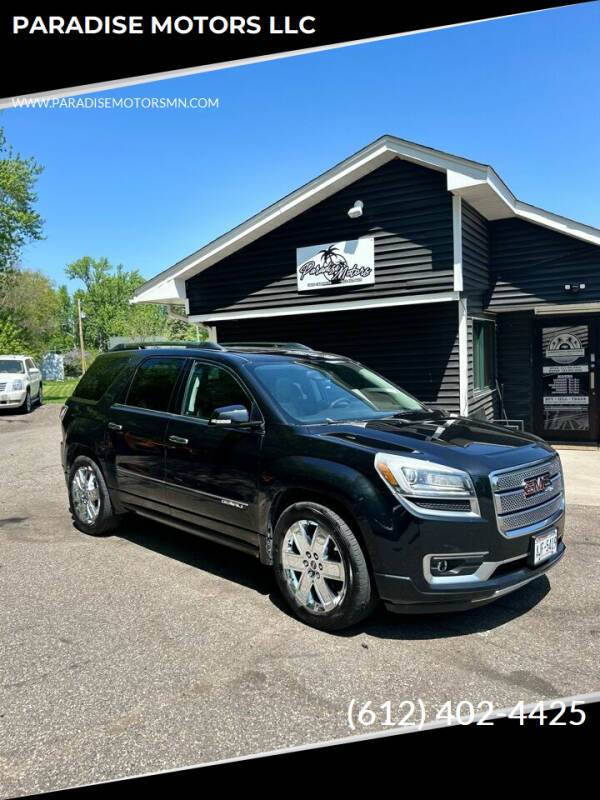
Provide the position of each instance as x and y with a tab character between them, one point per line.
347	485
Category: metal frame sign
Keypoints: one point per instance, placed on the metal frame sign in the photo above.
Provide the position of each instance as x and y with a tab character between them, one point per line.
336	264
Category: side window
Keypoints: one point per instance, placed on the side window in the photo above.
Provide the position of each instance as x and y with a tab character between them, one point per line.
29	363
153	383
210	387
100	375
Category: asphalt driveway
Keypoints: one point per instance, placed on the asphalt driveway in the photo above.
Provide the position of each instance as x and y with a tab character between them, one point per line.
151	649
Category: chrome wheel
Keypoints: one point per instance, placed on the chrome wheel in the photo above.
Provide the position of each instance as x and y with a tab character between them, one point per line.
86	495
313	566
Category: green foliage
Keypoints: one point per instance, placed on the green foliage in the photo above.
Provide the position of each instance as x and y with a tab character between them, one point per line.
31	302
11	338
180	330
105	302
65	337
19	223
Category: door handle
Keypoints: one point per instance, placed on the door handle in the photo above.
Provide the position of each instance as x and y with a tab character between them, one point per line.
178	439
114	426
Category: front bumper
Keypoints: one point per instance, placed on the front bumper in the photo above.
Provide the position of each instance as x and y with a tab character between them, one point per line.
402	595
12	399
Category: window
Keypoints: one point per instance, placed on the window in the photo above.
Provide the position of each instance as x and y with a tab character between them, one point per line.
333	391
12	366
210	387
153	383
100	375
30	364
484	354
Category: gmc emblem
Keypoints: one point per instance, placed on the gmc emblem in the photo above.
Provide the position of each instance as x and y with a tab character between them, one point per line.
537	485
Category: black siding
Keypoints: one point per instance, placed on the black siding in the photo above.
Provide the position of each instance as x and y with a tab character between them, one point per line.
408	211
515	365
414	346
476	249
530	265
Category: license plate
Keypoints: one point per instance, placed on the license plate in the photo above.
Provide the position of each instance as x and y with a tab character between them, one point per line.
544	546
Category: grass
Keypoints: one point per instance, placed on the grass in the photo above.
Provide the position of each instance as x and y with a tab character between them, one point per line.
58	391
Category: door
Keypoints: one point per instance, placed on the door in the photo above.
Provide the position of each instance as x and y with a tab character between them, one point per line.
212	470
137	429
34	377
566	401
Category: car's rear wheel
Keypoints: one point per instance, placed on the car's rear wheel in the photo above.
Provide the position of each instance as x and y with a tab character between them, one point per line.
321	568
41	395
90	503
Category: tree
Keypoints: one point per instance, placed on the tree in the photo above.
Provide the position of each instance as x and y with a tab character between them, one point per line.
105	302
19	222
32	303
11	339
180	330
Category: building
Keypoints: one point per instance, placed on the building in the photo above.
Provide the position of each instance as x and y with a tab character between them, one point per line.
424	266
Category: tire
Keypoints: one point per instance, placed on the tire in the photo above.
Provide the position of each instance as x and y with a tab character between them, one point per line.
89	501
27	405
40	395
333	591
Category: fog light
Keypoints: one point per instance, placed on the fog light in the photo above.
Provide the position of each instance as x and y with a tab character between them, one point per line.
451	566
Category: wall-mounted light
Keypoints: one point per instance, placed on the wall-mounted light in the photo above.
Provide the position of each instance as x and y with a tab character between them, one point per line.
356	210
574	287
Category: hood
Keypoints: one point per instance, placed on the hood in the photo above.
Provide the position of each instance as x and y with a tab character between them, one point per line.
456	441
5	377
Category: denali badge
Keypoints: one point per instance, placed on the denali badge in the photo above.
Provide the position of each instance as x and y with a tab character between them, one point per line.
537	485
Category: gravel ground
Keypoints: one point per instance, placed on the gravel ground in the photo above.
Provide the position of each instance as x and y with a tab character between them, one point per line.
151	649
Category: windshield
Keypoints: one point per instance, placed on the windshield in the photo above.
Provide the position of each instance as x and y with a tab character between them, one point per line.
11	365
332	391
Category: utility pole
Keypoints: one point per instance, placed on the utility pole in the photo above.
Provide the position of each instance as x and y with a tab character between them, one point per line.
80	336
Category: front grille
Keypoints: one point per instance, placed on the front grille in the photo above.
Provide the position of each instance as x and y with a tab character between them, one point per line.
2	387
515	512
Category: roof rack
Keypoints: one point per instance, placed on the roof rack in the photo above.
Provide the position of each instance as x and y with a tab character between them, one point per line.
146	345
269	345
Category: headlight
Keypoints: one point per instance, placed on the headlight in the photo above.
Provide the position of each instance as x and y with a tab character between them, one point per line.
18	385
426	488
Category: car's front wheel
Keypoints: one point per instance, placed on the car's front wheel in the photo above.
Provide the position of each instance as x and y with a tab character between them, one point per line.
90	503
321	568
26	407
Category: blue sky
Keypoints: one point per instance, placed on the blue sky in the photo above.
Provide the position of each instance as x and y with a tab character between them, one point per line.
146	188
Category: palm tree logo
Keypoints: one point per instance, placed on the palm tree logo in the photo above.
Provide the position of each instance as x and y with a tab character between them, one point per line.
333	263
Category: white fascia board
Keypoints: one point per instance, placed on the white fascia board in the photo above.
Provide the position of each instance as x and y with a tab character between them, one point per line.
457	240
169	292
463	357
533	214
272	217
462	175
319	308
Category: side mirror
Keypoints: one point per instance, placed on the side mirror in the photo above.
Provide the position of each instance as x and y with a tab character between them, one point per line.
230	415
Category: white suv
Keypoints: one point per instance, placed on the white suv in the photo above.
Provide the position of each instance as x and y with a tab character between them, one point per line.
20	383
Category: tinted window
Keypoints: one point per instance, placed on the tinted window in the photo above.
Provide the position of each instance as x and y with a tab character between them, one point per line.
333	391
101	373
153	383
211	387
11	365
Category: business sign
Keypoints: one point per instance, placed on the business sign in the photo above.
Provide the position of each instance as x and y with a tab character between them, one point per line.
565	348
566	378
335	264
